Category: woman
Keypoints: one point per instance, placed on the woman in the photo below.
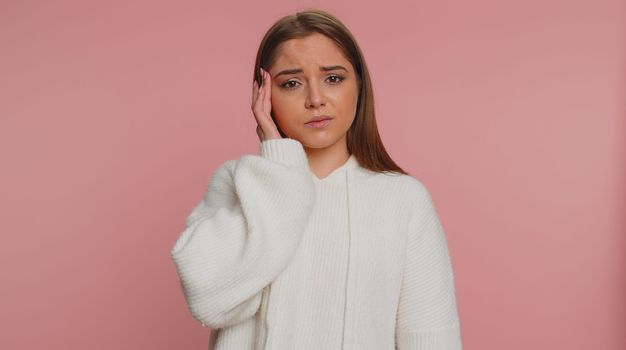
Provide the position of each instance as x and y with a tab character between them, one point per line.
321	241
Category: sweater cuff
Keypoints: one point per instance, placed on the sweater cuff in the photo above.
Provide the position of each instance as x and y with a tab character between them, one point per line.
287	151
448	338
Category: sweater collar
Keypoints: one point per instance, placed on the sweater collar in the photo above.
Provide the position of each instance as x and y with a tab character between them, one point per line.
336	174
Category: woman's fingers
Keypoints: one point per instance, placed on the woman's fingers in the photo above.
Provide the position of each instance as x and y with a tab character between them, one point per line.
255	92
262	107
262	94
267	88
256	102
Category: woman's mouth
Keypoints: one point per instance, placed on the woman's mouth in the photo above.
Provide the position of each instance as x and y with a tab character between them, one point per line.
318	124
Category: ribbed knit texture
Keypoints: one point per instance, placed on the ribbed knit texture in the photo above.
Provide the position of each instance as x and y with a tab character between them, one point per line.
273	257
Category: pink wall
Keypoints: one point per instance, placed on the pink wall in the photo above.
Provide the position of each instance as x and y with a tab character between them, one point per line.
114	115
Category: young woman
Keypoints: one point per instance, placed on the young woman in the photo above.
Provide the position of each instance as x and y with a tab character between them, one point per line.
321	241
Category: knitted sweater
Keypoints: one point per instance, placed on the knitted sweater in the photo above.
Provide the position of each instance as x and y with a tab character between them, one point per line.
275	258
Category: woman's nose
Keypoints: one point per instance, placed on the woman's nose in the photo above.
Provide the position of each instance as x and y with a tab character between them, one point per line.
315	96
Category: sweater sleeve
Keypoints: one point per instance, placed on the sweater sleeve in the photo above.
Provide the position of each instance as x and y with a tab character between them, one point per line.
427	317
243	232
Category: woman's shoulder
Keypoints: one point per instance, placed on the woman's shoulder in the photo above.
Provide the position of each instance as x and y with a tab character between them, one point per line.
405	183
406	189
228	165
223	173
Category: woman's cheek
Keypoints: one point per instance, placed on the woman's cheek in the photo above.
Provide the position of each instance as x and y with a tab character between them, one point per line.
283	108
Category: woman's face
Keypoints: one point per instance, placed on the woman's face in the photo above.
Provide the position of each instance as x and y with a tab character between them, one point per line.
311	77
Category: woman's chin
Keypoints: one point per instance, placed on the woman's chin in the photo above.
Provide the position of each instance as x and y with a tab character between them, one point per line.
318	141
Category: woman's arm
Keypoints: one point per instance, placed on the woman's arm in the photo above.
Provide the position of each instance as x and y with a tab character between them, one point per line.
244	231
427	316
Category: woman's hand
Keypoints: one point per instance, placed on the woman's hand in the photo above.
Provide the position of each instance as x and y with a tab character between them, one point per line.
262	106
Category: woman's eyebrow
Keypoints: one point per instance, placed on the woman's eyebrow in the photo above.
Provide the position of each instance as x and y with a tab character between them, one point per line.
299	70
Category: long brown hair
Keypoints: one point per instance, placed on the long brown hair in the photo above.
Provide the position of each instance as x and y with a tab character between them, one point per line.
362	138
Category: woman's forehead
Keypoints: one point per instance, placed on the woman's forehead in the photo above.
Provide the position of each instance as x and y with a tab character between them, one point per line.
315	51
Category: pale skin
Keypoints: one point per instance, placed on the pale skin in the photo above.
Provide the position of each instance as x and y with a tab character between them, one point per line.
296	97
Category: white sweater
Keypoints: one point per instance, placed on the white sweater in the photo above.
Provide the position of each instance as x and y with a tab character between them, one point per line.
274	258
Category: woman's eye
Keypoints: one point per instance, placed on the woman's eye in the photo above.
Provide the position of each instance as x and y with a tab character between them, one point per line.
337	78
292	84
287	84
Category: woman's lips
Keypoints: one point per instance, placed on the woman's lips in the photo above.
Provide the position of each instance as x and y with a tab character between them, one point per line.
318	124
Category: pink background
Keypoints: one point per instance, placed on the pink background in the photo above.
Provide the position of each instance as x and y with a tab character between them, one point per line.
113	115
